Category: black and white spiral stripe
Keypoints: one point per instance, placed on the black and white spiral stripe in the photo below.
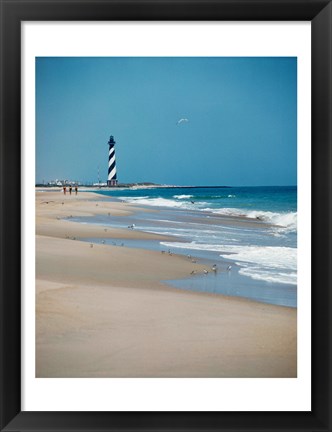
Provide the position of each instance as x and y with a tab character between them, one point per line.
111	164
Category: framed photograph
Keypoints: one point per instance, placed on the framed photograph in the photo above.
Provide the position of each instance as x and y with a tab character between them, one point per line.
165	215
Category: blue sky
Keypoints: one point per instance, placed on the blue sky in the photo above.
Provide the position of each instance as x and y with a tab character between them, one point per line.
242	119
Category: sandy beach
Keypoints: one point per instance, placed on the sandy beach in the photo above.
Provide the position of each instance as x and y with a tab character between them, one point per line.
103	310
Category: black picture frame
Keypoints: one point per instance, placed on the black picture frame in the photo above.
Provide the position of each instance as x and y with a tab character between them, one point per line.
13	12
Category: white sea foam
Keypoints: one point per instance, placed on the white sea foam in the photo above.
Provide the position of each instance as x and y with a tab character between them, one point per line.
268	263
134	199
185	232
259	273
285	220
165	232
159	202
183	196
272	257
194	246
170	221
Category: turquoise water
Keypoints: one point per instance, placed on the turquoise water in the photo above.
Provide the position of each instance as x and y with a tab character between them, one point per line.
252	229
278	199
275	206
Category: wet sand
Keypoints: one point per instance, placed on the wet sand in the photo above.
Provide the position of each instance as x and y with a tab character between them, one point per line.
103	311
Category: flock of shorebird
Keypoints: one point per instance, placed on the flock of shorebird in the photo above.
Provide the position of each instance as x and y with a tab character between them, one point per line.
104	242
214	268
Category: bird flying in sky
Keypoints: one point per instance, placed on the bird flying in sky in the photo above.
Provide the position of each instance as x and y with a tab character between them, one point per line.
182	120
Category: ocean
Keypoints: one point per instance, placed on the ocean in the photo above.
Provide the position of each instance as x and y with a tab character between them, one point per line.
248	233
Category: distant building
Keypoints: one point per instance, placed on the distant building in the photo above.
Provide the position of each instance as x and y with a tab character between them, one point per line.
63	182
99	184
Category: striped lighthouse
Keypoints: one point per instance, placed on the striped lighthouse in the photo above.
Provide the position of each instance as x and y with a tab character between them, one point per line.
111	179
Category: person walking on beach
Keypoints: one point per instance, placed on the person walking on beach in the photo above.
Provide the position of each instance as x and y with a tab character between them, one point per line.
64	190
70	189
76	188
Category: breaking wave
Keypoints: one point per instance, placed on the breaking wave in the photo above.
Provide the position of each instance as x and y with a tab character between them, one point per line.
269	263
183	196
287	220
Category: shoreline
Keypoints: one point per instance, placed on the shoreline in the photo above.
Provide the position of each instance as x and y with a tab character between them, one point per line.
102	310
214	240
